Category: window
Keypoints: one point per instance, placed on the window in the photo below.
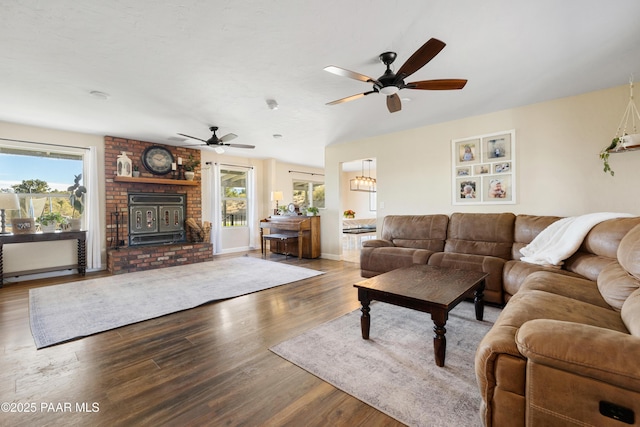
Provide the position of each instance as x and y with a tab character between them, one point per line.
40	178
233	185
306	193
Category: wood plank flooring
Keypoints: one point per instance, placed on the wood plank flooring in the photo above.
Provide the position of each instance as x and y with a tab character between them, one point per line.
206	366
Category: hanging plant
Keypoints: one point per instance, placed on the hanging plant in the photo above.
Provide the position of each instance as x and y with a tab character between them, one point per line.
622	138
604	155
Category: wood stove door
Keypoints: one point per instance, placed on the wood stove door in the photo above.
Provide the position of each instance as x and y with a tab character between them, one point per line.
143	219
171	218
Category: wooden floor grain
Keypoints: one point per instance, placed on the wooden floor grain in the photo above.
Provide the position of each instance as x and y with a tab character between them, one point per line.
210	365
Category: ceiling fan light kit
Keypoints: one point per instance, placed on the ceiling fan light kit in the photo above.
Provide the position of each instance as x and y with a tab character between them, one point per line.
390	83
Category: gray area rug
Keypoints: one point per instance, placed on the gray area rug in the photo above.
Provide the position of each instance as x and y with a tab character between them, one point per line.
63	312
394	371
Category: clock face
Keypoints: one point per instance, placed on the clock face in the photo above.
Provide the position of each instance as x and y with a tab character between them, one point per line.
157	160
291	208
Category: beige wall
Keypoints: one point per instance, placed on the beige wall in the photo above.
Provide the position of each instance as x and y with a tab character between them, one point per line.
558	171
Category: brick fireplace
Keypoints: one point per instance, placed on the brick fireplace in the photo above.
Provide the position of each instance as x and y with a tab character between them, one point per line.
137	258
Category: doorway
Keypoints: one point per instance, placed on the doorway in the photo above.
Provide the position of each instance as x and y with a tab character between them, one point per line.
358	195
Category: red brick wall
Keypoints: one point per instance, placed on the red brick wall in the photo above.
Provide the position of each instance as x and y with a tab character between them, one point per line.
116	193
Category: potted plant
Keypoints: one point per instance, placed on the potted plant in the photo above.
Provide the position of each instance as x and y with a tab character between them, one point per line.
136	171
49	221
190	168
282	209
77	202
312	211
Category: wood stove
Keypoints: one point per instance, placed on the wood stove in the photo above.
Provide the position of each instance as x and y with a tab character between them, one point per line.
156	218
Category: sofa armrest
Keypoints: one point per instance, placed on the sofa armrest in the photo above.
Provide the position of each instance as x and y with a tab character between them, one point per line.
602	354
377	243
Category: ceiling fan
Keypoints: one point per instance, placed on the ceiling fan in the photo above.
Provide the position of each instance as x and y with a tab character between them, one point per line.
390	83
222	141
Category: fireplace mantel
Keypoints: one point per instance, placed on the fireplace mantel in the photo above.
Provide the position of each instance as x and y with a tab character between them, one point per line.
162	181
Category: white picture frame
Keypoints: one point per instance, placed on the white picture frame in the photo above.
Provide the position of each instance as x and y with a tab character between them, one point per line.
484	169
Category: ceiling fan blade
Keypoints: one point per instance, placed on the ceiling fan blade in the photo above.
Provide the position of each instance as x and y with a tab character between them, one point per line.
228	137
351	98
240	145
442	84
192	137
420	57
351	74
393	103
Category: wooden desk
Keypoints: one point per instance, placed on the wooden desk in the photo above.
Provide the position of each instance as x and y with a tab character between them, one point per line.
307	229
80	236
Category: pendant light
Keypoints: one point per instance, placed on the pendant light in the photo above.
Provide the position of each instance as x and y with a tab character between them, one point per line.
364	183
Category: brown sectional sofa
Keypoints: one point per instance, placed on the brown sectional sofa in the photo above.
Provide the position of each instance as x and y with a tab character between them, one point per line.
564	350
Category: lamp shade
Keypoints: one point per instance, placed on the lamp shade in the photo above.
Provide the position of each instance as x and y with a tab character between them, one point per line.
276	196
9	201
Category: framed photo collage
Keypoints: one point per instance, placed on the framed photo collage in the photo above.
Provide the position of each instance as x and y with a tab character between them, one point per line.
484	169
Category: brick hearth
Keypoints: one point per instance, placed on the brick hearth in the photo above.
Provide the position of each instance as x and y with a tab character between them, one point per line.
140	258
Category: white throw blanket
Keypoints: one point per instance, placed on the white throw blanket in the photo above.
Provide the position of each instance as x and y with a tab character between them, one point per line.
562	239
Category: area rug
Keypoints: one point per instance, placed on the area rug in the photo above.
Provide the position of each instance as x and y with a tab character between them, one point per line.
394	371
63	312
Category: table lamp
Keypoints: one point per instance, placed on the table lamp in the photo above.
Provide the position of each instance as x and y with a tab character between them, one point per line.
8	201
277	196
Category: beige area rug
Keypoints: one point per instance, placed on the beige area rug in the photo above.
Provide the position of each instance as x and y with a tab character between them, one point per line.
64	312
394	371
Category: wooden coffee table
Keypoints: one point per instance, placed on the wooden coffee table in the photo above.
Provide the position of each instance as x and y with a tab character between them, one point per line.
435	290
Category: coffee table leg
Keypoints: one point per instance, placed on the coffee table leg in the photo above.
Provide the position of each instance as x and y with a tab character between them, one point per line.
365	319
478	301
439	339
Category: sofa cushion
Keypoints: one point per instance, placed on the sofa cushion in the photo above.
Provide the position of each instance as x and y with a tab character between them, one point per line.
383	259
416	231
629	252
615	285
515	273
577	288
630	313
481	234
486	264
600	246
526	228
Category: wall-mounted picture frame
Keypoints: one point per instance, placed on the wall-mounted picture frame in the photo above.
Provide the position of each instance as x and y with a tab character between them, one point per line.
483	169
467	152
467	190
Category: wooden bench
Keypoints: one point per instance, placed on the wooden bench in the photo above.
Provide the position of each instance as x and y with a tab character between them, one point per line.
282	237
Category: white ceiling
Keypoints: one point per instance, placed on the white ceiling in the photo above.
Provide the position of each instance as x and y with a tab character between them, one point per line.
180	67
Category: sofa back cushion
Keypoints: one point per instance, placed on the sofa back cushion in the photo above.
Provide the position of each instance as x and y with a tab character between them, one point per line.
416	231
630	313
629	252
527	227
600	247
615	285
481	234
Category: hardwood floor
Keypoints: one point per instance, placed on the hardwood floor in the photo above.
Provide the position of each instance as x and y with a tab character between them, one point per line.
206	366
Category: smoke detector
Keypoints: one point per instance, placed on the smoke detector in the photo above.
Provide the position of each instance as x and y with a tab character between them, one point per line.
272	104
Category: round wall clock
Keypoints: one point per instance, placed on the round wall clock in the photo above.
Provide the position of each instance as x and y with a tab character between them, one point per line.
157	160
